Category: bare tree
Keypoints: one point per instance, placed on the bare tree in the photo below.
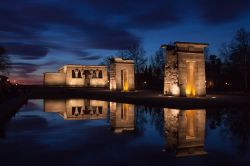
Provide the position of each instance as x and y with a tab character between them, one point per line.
157	62
106	61
4	61
240	53
137	53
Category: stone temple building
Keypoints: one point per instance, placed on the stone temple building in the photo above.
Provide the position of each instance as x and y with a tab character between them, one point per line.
184	69
122	117
77	109
185	131
78	75
122	75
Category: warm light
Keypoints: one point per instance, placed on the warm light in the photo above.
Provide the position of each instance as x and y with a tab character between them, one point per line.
188	90
112	85
175	90
190	116
190	87
125	81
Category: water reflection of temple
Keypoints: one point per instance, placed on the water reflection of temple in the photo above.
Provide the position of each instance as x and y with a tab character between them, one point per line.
122	117
185	131
77	109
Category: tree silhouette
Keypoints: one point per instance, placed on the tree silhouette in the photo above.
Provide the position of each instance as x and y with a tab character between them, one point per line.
106	61
237	59
137	53
157	62
240	53
4	61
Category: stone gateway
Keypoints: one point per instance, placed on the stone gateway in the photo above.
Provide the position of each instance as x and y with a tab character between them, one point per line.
184	69
122	75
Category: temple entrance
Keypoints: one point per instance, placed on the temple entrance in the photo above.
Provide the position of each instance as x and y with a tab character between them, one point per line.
124	80
191	79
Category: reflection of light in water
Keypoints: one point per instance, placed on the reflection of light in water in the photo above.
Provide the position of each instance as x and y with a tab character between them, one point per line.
185	131
77	109
190	116
122	117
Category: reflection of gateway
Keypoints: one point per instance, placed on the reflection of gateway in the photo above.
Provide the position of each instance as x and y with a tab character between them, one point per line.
77	109
185	131
122	117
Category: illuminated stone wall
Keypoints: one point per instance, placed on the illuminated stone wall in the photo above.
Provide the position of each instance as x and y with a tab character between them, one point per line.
185	69
122	117
78	75
77	109
122	75
54	79
185	131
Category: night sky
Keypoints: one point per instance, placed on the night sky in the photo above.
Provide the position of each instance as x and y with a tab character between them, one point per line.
43	35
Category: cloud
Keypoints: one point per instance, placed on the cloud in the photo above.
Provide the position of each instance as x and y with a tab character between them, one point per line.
26	51
41	22
93	57
23	68
222	11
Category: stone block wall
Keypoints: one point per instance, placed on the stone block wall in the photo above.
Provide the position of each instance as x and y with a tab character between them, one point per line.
54	79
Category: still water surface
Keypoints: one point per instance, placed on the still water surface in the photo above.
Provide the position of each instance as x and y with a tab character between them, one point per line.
92	132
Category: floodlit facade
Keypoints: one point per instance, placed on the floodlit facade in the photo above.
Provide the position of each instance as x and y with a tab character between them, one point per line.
78	75
77	109
185	69
185	131
122	117
122	75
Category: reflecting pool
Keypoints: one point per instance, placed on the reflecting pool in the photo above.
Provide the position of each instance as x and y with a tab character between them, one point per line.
93	132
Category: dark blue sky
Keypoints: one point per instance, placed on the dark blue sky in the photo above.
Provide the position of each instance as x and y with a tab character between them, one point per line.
43	35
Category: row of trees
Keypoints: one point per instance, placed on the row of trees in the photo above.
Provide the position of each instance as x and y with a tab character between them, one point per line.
232	72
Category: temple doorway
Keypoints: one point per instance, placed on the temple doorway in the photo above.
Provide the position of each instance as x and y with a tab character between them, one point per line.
191	79
124	80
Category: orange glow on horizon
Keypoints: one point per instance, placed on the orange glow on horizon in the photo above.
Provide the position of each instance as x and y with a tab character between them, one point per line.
32	80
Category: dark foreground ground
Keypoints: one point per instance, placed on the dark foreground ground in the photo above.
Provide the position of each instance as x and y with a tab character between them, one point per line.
149	98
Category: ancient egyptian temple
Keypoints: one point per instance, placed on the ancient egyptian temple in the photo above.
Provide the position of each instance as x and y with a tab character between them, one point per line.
184	69
78	75
122	75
